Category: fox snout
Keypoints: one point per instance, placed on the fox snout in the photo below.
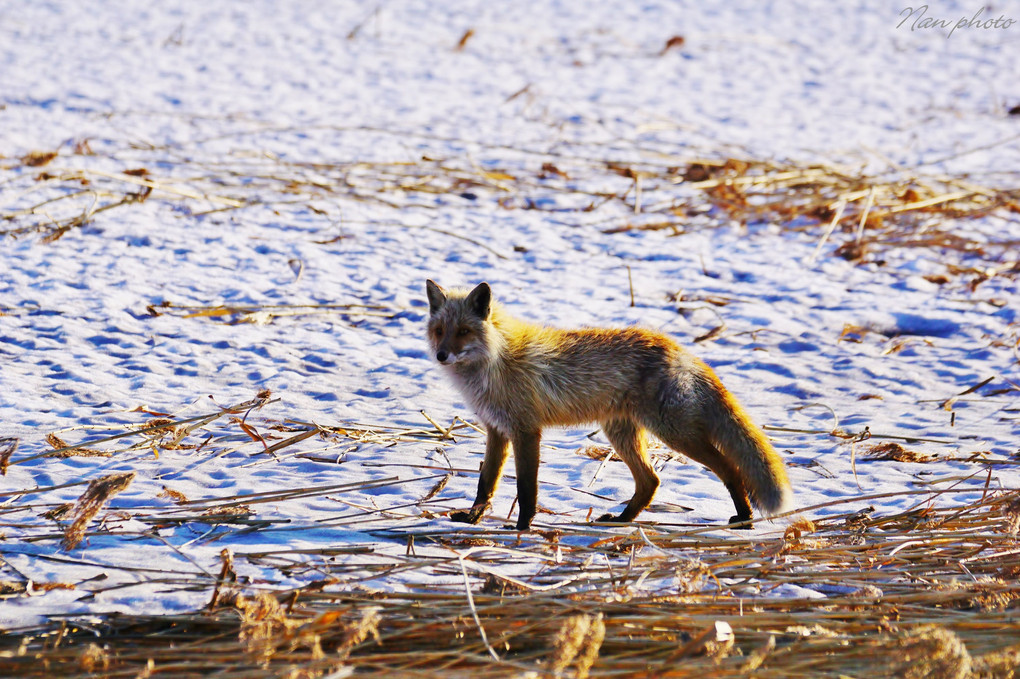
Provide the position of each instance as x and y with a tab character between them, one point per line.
447	347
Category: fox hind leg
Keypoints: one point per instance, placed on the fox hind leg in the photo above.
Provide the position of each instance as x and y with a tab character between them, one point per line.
701	450
709	455
628	439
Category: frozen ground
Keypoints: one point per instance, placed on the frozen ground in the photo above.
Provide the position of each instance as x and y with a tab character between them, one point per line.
316	154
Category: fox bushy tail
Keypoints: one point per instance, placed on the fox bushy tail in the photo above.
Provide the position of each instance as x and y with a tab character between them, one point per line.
745	445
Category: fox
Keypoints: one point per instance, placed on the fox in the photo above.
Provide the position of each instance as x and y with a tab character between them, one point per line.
520	378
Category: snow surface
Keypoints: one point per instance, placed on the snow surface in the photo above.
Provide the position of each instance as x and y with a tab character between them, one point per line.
217	99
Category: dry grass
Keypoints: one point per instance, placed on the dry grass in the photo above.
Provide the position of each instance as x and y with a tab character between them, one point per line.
890	450
858	214
652	600
874	213
930	591
927	592
267	313
7	448
577	643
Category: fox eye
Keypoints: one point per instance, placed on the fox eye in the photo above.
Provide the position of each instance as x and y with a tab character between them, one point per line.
438	331
462	332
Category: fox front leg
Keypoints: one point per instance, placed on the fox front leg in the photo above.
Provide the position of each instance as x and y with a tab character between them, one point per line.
488	479
526	459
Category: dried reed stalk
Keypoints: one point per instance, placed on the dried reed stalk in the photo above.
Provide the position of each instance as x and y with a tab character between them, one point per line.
7	448
227	577
91	501
263	622
577	643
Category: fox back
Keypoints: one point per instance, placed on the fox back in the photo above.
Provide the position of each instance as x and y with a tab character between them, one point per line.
519	375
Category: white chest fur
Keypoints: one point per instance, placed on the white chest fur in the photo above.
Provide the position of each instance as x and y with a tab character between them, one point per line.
476	387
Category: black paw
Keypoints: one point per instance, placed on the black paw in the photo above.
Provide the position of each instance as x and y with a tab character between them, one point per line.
610	518
470	516
745	520
523	525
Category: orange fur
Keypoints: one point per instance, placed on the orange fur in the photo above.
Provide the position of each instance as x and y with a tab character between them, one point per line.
520	378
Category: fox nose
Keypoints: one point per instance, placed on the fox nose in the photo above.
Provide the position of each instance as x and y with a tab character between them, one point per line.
441	356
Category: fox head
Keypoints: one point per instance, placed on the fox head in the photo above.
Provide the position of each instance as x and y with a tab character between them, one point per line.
458	324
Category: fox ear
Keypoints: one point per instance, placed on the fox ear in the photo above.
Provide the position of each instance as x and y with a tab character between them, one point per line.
437	298
479	300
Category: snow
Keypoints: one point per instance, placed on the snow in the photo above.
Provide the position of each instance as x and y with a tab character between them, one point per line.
262	102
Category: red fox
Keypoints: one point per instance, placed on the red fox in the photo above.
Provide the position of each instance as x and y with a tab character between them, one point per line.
520	377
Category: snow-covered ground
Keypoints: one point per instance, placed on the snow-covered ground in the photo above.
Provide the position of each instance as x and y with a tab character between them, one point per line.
308	153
